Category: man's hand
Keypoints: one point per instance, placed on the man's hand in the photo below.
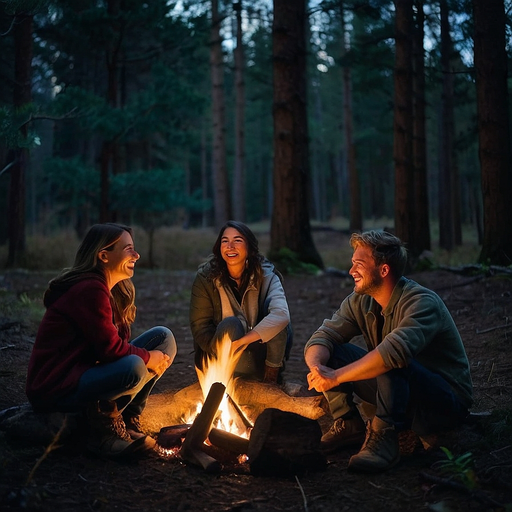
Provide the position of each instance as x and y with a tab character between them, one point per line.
158	362
322	378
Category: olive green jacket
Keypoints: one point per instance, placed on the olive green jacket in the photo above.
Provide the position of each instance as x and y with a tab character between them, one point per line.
417	325
211	302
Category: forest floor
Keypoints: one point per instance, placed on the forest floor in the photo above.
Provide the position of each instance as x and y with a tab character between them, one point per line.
65	480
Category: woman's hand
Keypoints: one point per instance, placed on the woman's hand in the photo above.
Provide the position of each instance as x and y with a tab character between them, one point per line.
242	343
158	362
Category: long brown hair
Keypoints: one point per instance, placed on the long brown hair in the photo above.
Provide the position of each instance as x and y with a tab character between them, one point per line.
99	237
253	268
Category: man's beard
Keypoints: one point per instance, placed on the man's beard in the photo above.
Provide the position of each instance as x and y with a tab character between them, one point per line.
368	287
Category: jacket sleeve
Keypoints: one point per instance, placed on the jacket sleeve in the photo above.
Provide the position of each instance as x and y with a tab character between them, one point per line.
278	316
92	313
340	328
418	320
202	313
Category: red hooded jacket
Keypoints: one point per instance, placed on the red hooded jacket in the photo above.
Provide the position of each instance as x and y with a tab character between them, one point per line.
76	333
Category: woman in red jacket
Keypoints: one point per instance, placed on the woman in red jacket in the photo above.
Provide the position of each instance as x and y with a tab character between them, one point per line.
82	358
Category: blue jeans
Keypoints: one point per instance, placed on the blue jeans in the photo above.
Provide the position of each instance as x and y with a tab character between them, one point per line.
409	398
127	380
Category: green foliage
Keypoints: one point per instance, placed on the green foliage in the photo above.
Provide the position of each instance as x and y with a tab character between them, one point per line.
460	468
158	190
23	309
11	122
72	183
26	6
288	263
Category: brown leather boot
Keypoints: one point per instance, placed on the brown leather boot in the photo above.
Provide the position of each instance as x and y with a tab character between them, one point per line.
380	451
107	432
271	375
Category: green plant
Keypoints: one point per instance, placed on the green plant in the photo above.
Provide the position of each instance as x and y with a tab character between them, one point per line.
289	263
460	468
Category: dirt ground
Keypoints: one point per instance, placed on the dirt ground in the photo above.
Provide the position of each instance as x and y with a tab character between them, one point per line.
71	480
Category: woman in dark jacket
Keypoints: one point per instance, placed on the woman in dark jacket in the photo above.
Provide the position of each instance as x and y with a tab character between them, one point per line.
238	292
82	358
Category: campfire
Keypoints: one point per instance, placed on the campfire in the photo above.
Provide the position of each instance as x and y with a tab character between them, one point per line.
217	428
218	420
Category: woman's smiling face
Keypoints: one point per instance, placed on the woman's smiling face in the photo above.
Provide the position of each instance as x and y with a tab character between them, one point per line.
233	249
119	262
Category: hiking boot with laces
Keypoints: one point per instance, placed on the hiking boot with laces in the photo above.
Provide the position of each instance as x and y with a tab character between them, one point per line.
133	426
343	433
107	432
380	451
135	431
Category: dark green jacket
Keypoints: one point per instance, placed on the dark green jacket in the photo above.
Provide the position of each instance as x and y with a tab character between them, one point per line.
206	309
417	325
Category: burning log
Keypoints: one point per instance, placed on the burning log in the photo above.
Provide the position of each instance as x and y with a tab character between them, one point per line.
173	408
285	444
191	450
172	437
228	441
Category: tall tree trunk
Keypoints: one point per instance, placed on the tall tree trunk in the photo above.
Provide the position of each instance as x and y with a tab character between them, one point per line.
449	209
109	149
493	130
22	95
221	197
205	216
290	226
422	224
239	199
403	124
356	213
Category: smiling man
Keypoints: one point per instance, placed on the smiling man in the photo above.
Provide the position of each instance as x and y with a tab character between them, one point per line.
414	370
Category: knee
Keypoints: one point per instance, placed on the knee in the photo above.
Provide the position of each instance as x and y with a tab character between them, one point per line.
135	370
231	326
168	345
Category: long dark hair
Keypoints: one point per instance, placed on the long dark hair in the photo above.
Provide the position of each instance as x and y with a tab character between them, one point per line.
253	268
99	237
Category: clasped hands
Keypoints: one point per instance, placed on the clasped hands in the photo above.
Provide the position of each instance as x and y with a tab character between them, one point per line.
322	378
158	362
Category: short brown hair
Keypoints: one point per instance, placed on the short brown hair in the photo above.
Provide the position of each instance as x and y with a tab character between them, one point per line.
386	248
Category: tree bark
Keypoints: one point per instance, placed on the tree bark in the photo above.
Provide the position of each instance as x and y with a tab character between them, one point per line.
239	200
449	208
493	130
221	197
109	148
290	227
403	122
422	225
356	213
22	95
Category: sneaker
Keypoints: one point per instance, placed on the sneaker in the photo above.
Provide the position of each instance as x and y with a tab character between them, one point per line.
343	433
380	451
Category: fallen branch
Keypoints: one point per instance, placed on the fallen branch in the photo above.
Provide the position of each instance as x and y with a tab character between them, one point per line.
478	331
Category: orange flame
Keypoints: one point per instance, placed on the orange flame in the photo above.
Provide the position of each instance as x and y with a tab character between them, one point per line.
221	368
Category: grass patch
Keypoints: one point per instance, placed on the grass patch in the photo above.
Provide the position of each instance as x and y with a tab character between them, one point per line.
175	248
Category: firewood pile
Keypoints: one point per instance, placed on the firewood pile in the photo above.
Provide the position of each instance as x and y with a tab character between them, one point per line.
281	443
